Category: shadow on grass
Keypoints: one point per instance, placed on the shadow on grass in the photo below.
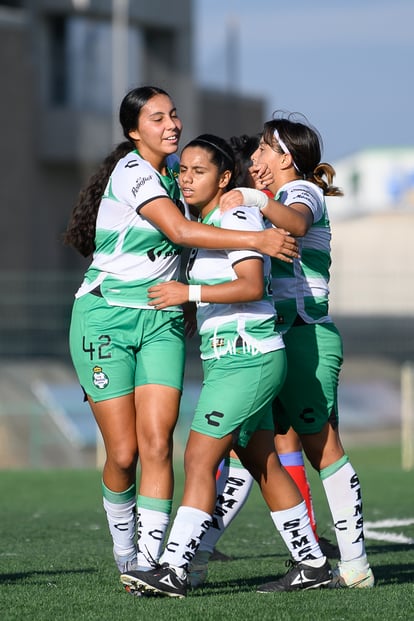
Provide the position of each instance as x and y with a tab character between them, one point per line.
386	548
247	557
21	576
379	548
399	573
387	574
231	587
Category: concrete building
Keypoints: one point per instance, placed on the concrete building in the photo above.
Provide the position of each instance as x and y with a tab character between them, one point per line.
58	119
373	223
372	274
65	66
375	180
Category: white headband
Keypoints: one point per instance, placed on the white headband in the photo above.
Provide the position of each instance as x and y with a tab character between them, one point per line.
284	147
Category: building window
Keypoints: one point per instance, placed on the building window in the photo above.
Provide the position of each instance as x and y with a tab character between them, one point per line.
80	61
160	51
58	62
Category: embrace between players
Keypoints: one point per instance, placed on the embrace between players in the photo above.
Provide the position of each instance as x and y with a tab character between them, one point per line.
258	273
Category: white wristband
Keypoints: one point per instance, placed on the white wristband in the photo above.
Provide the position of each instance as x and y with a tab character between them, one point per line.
254	198
194	293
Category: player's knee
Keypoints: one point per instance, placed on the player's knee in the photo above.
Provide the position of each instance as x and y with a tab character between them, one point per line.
157	449
124	458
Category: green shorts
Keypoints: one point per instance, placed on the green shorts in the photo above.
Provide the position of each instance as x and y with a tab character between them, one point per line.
237	395
114	348
309	397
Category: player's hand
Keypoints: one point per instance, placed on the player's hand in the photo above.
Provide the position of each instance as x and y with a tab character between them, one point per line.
280	244
171	293
261	175
230	199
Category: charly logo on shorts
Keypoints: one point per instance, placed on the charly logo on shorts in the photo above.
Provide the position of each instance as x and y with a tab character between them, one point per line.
100	379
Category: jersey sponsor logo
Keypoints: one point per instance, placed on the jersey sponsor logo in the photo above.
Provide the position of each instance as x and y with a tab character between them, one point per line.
210	418
99	378
139	183
305	194
154	254
217	342
223	346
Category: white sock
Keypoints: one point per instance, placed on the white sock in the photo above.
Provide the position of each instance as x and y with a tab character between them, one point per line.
233	488
343	493
187	531
295	529
151	526
121	521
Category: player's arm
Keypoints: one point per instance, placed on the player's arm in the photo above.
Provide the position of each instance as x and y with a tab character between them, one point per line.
296	218
247	287
164	214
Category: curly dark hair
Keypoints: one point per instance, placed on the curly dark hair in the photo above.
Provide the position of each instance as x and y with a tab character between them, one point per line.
80	232
243	148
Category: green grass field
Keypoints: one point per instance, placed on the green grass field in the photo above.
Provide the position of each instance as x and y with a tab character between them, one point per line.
56	555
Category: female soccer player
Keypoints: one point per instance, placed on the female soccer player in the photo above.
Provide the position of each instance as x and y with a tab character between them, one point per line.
308	400
233	481
244	368
128	355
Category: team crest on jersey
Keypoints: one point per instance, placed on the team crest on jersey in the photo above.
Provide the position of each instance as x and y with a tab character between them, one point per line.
99	378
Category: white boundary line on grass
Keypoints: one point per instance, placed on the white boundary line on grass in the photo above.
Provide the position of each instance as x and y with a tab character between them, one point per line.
371	532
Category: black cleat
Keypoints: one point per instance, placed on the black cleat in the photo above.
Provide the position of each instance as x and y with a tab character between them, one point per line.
162	580
299	577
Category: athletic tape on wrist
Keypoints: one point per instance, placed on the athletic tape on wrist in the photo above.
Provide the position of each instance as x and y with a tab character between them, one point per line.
194	293
254	198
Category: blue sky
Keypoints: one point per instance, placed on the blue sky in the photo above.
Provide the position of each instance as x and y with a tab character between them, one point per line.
347	65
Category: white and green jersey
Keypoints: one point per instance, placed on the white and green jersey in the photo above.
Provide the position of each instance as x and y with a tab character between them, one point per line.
131	254
247	327
301	288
